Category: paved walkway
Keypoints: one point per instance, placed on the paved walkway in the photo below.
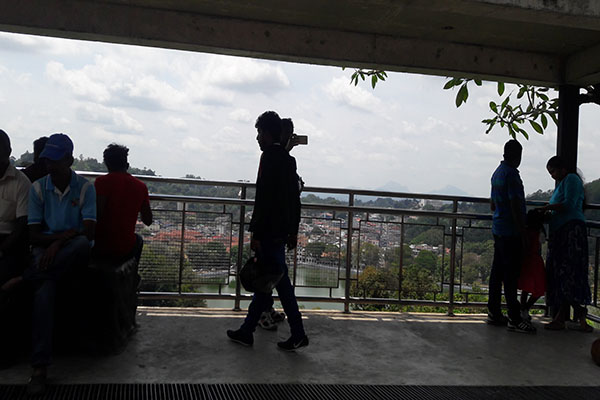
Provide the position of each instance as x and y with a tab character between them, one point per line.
179	345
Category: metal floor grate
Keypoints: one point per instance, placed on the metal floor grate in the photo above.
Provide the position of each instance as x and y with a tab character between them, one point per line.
299	392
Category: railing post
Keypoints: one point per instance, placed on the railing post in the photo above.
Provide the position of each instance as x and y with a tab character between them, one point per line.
238	286
349	254
596	260
452	262
181	247
401	264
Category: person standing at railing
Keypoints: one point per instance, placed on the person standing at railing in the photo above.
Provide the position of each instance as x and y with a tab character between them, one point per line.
567	260
274	225
508	226
120	199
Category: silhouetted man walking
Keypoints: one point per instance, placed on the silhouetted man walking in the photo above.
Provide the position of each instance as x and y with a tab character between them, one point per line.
274	224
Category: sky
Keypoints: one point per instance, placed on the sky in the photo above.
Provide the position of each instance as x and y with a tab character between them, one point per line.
193	113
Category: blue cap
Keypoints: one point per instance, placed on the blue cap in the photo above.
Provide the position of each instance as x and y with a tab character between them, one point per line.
57	147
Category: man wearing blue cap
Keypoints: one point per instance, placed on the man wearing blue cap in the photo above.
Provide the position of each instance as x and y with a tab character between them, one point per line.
61	219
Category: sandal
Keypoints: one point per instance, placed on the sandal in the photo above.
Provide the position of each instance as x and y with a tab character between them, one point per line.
555	326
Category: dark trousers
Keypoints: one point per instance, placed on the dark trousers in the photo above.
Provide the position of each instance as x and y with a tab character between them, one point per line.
273	252
506	268
13	306
74	254
13	262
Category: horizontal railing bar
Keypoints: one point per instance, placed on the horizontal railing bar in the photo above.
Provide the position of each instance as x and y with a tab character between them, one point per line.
315	189
201	199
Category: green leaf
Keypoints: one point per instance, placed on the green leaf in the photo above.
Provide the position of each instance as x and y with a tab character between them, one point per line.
537	127
462	95
525	134
477	82
543	96
494	107
505	102
521	92
500	88
554	118
544	121
511	131
449	84
373	81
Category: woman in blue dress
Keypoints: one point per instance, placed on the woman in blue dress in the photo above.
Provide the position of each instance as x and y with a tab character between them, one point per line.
567	262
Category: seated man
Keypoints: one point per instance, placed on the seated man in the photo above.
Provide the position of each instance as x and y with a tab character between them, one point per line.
38	169
14	192
62	218
120	198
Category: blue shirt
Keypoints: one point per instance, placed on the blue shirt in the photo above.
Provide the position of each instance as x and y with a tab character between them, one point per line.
58	212
570	193
506	186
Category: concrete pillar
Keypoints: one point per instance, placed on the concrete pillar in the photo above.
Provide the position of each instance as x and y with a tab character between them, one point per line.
568	124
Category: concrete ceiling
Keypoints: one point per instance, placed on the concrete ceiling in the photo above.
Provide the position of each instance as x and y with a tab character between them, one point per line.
548	42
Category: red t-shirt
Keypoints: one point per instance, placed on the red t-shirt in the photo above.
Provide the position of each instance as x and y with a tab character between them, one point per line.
125	196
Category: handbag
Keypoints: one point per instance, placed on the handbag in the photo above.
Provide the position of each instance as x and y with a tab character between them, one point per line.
257	277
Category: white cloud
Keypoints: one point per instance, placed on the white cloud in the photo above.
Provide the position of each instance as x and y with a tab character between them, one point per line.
42	45
489	147
240	115
394	144
453	145
177	123
78	82
245	74
114	120
194	143
125	139
344	93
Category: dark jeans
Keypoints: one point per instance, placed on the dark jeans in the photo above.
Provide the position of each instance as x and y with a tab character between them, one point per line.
13	307
506	268
274	252
74	254
14	261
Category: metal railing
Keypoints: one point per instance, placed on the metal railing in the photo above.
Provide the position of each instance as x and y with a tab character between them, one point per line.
197	244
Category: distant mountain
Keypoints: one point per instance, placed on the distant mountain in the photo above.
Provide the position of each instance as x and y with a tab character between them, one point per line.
450	190
392	186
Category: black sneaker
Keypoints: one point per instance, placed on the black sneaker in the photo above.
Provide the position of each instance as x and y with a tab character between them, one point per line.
36	386
496	320
240	337
293	345
521	327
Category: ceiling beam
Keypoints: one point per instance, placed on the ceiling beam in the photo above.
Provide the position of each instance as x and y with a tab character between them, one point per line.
126	23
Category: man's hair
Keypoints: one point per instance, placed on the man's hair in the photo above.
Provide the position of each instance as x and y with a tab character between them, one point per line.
4	139
270	123
38	147
115	157
512	149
